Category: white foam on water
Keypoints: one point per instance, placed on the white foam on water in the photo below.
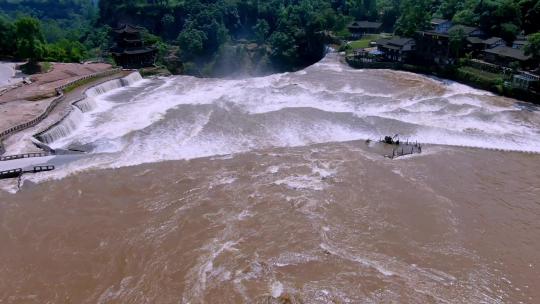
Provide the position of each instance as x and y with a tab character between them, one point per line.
114	84
293	258
184	117
355	258
206	272
456	88
75	119
302	182
222	181
68	125
86	105
276	289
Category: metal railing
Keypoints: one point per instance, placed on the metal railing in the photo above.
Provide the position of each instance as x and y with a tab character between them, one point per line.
26	155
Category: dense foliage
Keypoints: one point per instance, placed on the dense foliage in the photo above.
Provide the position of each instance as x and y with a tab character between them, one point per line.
64	30
233	34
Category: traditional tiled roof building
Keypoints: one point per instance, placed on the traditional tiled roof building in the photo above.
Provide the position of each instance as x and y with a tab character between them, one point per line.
129	50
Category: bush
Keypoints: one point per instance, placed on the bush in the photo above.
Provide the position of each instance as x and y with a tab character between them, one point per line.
65	51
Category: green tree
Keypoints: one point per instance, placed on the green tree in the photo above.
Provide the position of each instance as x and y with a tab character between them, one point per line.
499	18
389	11
465	17
192	43
7	47
284	48
362	9
261	29
508	32
457	39
30	41
415	15
530	10
167	25
533	46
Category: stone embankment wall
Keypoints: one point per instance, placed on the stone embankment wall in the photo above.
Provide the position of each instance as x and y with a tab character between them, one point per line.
52	105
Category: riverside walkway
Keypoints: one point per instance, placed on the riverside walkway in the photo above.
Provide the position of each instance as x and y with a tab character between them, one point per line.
55	113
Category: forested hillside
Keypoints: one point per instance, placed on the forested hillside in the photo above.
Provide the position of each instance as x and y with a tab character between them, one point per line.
214	36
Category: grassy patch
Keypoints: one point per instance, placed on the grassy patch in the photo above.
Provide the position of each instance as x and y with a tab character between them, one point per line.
162	71
45	67
80	83
344	33
362	43
488	76
479	78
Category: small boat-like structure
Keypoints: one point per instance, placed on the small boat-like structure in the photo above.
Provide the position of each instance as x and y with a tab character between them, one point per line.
401	148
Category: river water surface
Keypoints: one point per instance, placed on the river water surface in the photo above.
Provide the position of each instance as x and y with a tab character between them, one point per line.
264	190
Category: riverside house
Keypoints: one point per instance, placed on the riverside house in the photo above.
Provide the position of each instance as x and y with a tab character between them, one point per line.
476	45
493	42
434	45
441	25
520	42
360	28
504	56
396	49
526	81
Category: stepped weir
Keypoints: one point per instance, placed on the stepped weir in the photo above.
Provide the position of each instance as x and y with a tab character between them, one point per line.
13	166
70	122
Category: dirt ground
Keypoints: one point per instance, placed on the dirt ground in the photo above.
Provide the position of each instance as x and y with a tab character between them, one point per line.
22	104
43	85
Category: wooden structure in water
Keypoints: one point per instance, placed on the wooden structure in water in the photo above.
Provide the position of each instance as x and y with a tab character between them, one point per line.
26	155
401	148
14	173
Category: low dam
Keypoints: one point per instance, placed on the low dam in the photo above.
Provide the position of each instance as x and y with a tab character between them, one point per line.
15	165
69	123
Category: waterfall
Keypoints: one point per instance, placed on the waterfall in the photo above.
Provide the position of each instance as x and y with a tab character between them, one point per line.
69	123
114	84
87	104
131	79
63	128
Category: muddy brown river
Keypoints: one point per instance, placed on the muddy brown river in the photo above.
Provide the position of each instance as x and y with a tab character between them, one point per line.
264	190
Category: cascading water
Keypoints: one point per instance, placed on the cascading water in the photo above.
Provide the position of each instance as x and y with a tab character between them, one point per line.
64	128
74	118
185	117
87	104
114	84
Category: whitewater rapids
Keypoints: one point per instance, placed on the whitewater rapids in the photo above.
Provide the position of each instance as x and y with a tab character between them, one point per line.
260	191
185	117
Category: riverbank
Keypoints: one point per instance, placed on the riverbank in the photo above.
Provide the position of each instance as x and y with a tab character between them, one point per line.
20	115
472	78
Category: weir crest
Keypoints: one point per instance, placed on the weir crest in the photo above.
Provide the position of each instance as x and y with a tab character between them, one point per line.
70	122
